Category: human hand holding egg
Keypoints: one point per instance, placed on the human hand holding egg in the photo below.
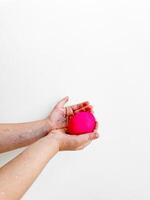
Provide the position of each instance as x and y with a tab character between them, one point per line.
74	127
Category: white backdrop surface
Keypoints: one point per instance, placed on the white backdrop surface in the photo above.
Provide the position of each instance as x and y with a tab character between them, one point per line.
90	50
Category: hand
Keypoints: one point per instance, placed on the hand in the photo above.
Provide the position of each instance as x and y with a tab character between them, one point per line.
72	142
60	114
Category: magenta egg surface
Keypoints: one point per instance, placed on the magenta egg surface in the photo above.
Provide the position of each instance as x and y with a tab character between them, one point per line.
81	123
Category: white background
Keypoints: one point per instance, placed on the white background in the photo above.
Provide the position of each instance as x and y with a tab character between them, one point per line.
90	50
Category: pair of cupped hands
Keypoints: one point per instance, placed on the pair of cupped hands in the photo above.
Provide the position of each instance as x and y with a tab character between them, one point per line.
58	121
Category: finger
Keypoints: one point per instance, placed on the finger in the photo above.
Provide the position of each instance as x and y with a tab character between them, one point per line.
62	102
94	135
68	114
62	130
80	105
83	138
87	108
69	111
65	129
96	127
83	146
80	139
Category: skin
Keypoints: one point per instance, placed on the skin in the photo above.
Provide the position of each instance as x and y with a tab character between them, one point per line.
24	169
13	136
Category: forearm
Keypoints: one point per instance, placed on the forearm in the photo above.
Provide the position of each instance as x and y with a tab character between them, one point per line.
18	175
13	136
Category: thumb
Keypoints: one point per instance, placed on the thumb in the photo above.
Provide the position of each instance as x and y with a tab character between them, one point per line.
62	102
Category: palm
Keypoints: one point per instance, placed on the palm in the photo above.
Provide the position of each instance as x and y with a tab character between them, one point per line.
73	142
57	118
60	114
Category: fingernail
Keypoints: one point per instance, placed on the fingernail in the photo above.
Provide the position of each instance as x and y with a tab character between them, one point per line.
97	135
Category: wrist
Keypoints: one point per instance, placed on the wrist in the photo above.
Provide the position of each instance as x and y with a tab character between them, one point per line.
48	125
53	139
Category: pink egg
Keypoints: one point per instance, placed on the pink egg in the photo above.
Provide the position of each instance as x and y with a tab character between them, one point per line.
81	122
